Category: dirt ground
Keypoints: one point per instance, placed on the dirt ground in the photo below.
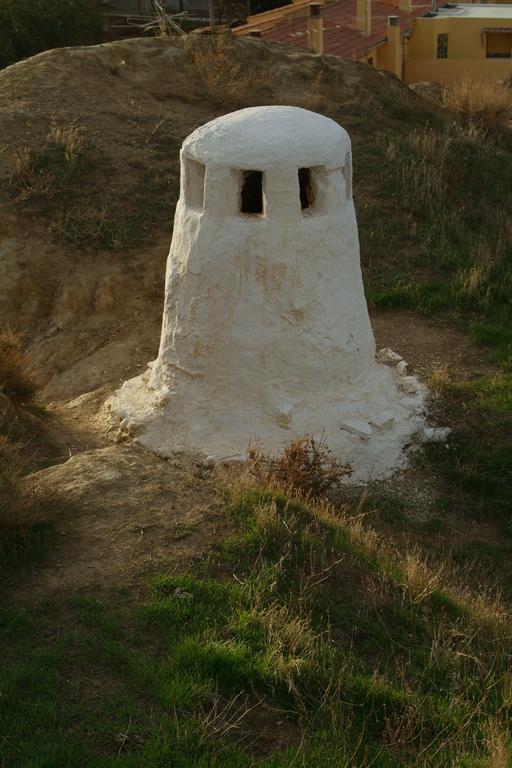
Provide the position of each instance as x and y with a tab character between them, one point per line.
124	511
127	511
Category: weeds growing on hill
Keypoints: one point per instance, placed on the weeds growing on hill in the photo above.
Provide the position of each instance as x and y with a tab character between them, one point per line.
485	103
39	174
53	180
451	187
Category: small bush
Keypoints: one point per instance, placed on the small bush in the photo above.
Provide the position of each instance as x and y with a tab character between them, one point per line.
305	466
30	26
16	378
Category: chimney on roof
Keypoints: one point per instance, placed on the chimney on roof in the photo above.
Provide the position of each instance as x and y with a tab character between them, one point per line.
316	28
364	16
394	39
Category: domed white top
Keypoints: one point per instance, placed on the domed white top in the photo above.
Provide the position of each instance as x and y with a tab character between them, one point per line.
259	138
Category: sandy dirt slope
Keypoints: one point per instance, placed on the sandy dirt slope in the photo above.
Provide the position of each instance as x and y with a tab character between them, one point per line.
124	511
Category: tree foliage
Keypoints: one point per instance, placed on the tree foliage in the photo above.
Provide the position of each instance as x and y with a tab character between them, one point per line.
30	26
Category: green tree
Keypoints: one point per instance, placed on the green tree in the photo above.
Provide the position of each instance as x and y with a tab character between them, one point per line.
30	26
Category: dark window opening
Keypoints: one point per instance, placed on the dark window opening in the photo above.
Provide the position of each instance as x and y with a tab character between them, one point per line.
307	189
252	192
442	46
498	45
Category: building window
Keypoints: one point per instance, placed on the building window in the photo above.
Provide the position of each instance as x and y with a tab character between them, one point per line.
497	45
251	193
194	184
306	189
442	46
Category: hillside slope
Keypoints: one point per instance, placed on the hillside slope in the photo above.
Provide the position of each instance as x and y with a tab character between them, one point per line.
89	170
165	614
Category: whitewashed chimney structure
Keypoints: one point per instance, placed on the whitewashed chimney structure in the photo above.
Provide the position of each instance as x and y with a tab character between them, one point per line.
266	334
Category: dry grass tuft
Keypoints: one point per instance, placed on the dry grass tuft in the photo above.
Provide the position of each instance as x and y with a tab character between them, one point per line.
26	179
423	177
421	578
17	380
305	466
499	746
439	378
70	138
36	173
227	83
488	104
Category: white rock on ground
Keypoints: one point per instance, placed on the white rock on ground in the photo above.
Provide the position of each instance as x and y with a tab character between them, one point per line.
266	333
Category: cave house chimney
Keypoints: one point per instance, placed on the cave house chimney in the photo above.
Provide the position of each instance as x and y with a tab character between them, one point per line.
316	28
364	16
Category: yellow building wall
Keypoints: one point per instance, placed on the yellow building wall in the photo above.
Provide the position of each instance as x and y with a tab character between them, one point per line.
466	51
383	57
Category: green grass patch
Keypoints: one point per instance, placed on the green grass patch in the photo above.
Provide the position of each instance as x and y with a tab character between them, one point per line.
434	231
331	649
478	459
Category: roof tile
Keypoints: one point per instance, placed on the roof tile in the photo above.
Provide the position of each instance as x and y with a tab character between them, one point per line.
341	36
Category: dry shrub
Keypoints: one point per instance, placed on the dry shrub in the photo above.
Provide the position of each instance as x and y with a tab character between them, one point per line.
17	380
305	466
226	82
487	103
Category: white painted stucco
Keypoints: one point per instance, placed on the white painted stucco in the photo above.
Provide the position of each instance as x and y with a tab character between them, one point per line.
266	334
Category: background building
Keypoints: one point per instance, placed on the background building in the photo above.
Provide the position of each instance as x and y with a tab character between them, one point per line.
414	41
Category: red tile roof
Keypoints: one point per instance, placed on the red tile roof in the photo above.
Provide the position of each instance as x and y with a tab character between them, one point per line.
341	36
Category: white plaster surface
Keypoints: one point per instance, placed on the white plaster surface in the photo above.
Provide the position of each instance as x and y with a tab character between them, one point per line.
266	334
